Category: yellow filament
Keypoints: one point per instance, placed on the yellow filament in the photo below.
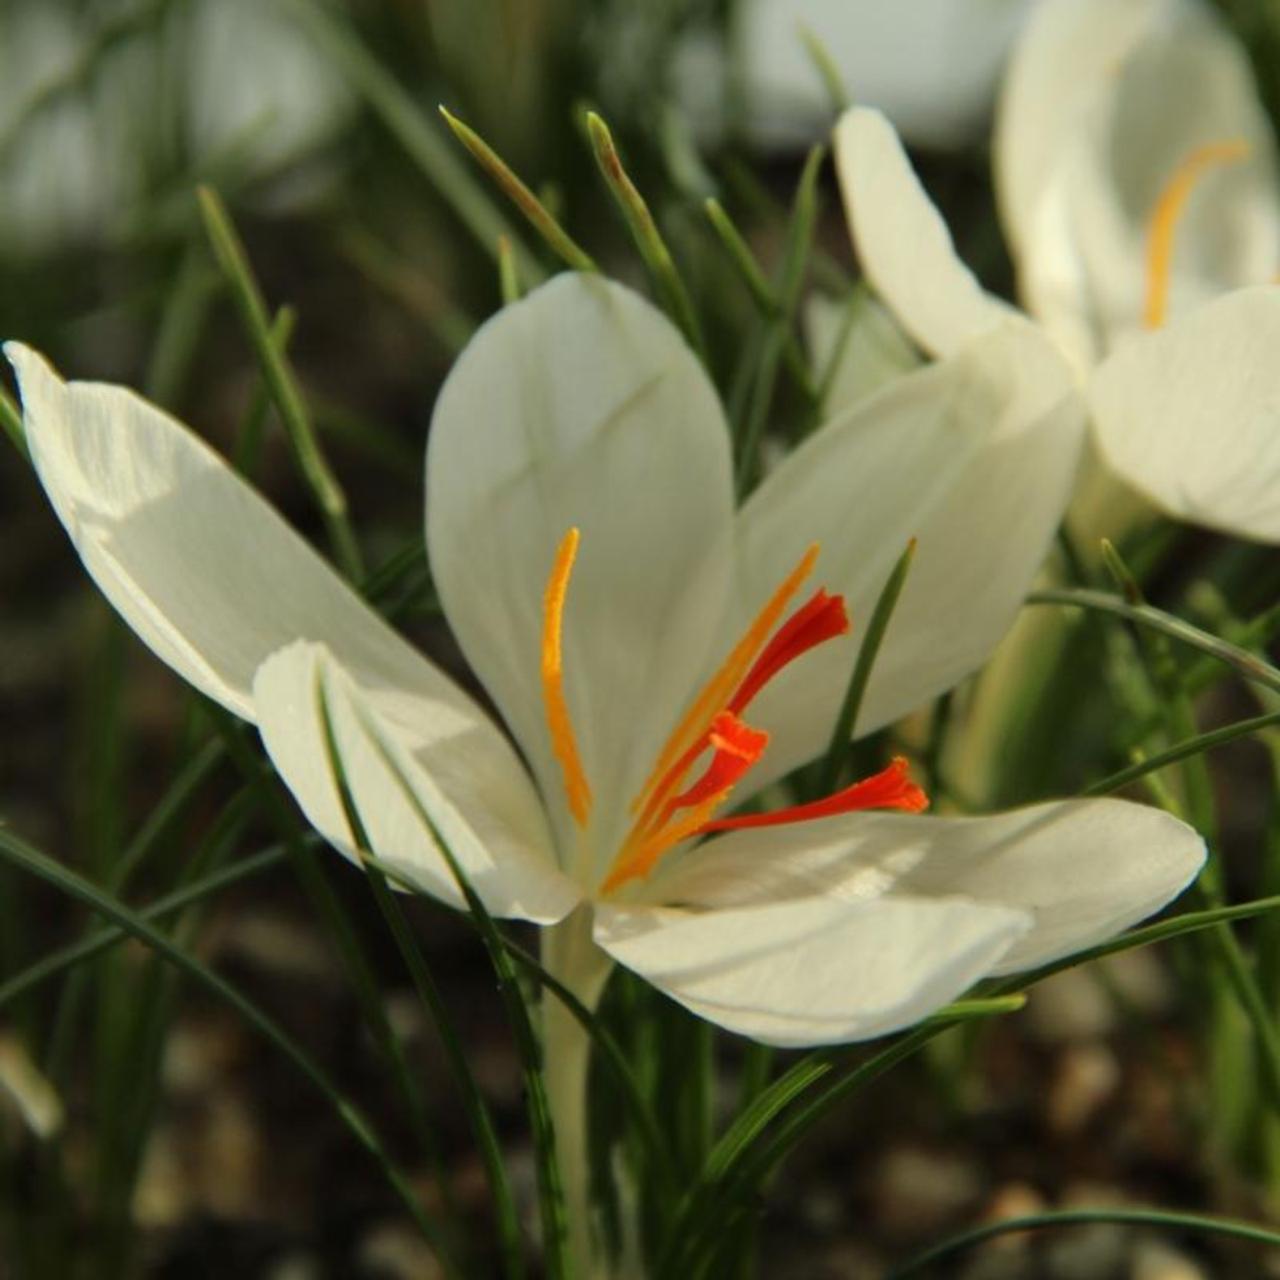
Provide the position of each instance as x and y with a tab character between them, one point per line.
720	688
563	742
1162	226
642	851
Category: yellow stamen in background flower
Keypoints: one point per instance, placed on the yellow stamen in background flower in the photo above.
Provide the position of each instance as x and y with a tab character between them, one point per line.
1171	203
563	742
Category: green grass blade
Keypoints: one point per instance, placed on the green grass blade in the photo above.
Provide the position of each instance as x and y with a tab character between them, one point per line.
94	942
11	421
539	217
412	127
644	232
551	1191
26	857
286	393
1137	1217
478	1114
1201	742
778	336
1249	665
838	749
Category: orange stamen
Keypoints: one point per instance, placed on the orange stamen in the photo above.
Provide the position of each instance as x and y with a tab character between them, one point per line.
563	742
821	618
1162	226
715	694
891	788
737	746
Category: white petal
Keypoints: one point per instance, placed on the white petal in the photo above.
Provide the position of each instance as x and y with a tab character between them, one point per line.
1099	155
198	564
390	753
930	65
902	242
869	347
1082	869
814	970
1190	415
214	581
582	406
1066	57
973	457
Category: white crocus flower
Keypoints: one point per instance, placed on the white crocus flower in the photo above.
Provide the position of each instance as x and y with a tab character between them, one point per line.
583	540
643	644
1137	180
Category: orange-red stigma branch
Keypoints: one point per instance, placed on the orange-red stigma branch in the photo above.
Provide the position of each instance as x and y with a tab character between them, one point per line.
891	788
1166	213
563	742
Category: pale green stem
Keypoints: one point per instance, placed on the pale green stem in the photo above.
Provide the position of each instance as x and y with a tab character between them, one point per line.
568	953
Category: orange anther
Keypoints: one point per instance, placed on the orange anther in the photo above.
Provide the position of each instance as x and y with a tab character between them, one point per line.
891	788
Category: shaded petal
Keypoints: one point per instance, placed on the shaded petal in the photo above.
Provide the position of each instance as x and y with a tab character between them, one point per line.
1190	415
582	406
973	457
902	242
214	581
203	569
391	751
1117	141
1081	869
814	970
1066	58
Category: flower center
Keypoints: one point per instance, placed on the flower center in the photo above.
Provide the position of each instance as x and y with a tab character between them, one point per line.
677	800
1166	213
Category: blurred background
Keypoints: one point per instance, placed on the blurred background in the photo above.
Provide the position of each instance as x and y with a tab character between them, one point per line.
144	1129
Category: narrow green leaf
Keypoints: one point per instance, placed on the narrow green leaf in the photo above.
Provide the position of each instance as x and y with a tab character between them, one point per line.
1135	1217
508	273
741	256
473	1102
11	421
644	232
838	749
26	857
826	67
246	457
778	335
551	1192
279	375
1249	665
754	1144
100	938
411	126
1180	751
540	218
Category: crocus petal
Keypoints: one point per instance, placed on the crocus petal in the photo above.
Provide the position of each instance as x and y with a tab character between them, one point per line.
974	458
582	406
1082	169
198	564
214	581
902	242
1066	57
1190	415
1081	869
930	65
813	970
400	760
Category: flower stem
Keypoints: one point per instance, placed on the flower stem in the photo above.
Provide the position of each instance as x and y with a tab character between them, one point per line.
570	955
